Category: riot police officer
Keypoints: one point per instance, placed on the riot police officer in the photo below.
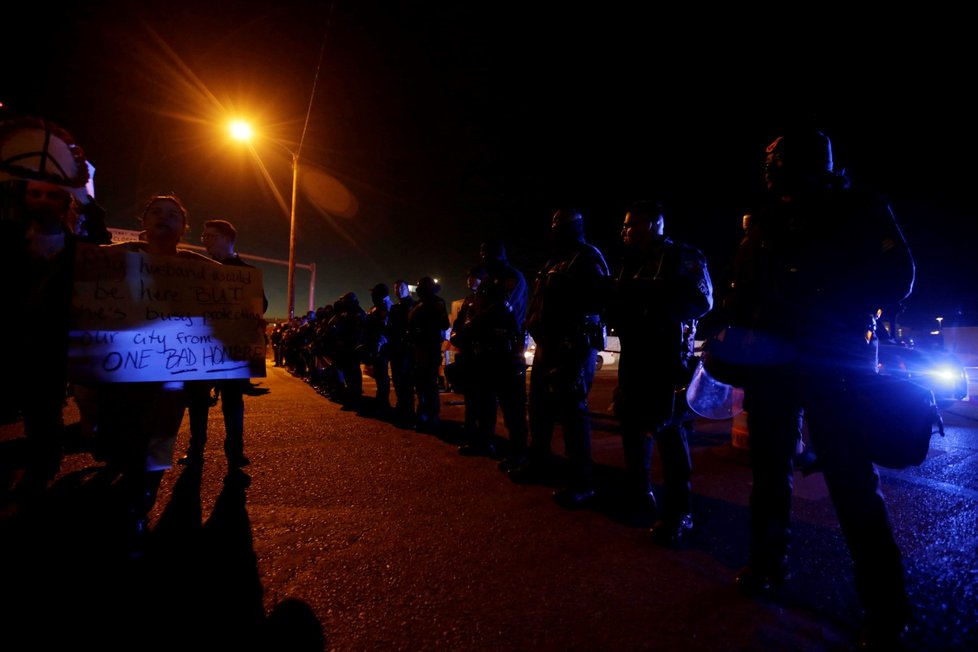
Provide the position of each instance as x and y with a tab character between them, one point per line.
399	352
662	289
564	317
375	350
494	328
427	327
817	261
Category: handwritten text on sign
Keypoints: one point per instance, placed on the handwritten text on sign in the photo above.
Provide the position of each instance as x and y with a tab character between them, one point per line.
137	317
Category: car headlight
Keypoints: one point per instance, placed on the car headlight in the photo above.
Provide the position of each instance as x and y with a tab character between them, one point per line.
946	375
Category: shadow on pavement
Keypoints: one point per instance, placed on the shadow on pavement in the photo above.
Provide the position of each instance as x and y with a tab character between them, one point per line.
70	582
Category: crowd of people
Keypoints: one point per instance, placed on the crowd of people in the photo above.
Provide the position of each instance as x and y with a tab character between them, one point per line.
130	424
806	293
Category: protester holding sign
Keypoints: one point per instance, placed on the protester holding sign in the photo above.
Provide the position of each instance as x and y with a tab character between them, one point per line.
140	420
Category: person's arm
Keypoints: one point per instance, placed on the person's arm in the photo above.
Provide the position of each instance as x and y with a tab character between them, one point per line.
95	230
693	291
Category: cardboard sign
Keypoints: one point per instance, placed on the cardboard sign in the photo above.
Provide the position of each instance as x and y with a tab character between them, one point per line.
137	318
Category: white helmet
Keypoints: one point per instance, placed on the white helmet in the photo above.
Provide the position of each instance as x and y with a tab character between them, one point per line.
38	150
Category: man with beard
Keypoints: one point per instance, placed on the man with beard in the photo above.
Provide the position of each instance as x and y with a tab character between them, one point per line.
663	287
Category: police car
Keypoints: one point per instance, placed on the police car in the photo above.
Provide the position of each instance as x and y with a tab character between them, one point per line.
936	369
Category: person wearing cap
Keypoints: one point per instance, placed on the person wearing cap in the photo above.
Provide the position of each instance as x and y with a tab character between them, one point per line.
565	319
427	327
375	346
818	259
662	289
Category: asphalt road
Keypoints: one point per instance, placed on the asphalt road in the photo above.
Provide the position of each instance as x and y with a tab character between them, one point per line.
357	535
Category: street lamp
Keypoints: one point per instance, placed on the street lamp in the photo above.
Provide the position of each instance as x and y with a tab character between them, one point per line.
295	185
241	130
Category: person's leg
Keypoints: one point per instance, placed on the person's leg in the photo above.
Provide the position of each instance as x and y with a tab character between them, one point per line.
638	417
774	421
542	416
401	377
232	407
854	486
482	402
199	401
426	388
354	382
571	386
512	402
383	380
677	509
541	408
637	450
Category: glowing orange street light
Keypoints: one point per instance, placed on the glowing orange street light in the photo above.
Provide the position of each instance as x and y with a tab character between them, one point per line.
241	130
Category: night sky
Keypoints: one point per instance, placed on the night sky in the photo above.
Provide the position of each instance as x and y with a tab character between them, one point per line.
450	123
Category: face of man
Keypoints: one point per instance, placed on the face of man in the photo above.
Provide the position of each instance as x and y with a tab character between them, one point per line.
218	244
637	230
46	202
401	290
164	222
634	230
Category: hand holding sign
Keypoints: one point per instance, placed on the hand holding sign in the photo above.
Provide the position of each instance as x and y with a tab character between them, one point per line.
137	317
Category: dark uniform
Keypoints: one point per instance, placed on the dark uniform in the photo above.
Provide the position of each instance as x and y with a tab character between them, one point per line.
346	329
662	289
564	318
399	350
376	334
461	374
817	261
494	327
427	326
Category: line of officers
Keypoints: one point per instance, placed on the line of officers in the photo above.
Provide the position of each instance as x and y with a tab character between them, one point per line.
816	261
653	303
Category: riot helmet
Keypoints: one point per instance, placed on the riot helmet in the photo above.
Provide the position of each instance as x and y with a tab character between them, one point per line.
428	287
478	271
798	159
379	292
350	300
492	251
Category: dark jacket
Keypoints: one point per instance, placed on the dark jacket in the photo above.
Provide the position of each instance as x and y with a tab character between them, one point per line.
811	273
